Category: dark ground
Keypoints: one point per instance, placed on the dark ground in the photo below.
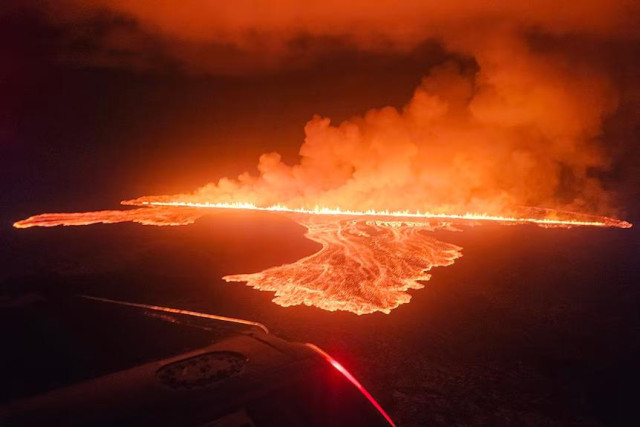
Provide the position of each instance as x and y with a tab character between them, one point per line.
531	326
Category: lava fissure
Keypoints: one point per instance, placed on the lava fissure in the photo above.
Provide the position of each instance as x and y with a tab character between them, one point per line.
368	259
553	217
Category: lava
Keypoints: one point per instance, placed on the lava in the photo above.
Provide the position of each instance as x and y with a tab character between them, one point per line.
570	219
361	268
160	213
368	259
157	216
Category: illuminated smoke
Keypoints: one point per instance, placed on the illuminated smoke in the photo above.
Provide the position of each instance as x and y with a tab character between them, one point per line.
514	133
522	127
246	35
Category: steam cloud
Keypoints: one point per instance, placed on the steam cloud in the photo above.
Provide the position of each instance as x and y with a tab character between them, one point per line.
519	128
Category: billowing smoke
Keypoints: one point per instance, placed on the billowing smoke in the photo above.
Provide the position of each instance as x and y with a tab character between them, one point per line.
514	133
522	126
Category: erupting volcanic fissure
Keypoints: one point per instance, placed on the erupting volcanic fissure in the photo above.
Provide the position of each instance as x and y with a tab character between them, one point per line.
368	259
511	115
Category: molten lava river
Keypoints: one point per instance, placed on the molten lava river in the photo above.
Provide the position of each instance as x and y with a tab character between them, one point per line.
362	267
367	262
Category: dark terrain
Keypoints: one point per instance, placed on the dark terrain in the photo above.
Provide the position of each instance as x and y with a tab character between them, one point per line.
531	326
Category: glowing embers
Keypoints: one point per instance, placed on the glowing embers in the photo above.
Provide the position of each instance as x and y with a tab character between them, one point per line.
361	268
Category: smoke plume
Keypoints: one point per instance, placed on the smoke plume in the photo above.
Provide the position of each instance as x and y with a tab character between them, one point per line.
521	129
522	126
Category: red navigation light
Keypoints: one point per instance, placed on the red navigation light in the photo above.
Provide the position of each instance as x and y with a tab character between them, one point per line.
352	380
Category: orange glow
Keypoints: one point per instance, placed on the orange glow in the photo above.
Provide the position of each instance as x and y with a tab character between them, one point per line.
368	260
352	380
186	212
165	213
470	216
145	216
362	268
511	112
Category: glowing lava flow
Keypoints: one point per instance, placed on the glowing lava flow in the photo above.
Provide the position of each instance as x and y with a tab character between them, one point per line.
368	260
361	268
157	216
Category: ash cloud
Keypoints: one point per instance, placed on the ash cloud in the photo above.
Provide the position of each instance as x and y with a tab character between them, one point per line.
523	127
